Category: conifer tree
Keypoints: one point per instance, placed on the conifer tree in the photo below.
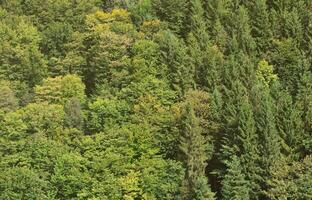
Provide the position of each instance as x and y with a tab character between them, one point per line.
174	56
173	12
304	104
216	13
289	63
198	24
235	186
193	147
269	139
239	28
241	139
289	123
198	41
261	29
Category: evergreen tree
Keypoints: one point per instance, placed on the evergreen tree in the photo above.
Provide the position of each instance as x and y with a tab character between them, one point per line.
261	28
269	144
234	184
241	139
193	147
174	12
289	63
288	122
239	27
174	56
303	104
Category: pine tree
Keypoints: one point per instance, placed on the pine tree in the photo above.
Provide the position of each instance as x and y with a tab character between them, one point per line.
193	147
198	24
216	12
289	63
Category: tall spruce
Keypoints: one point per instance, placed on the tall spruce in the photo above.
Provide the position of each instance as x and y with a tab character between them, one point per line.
193	147
261	27
240	139
198	40
269	139
289	123
304	104
234	184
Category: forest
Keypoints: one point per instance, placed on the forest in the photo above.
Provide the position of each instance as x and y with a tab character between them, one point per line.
155	99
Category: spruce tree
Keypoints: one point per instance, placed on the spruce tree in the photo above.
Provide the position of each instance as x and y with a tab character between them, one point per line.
234	184
198	40
239	27
198	24
304	104
173	12
174	56
269	139
289	123
261	27
240	139
193	147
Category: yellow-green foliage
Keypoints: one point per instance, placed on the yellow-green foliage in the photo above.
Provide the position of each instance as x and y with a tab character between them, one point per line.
60	90
265	73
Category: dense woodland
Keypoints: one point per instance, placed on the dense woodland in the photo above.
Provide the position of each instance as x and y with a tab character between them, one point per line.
156	99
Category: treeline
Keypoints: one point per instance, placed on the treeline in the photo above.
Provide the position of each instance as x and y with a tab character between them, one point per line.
156	99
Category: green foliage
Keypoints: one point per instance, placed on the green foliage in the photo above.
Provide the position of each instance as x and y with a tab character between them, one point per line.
265	73
173	12
8	100
235	186
60	90
195	184
106	113
20	57
291	180
289	63
43	118
174	55
23	183
155	99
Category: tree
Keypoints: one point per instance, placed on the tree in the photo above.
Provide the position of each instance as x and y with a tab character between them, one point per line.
261	26
289	123
24	183
290	180
270	143
265	73
8	100
106	113
240	29
240	138
21	59
289	63
173	12
235	186
107	43
74	117
174	56
303	104
43	118
60	90
195	184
